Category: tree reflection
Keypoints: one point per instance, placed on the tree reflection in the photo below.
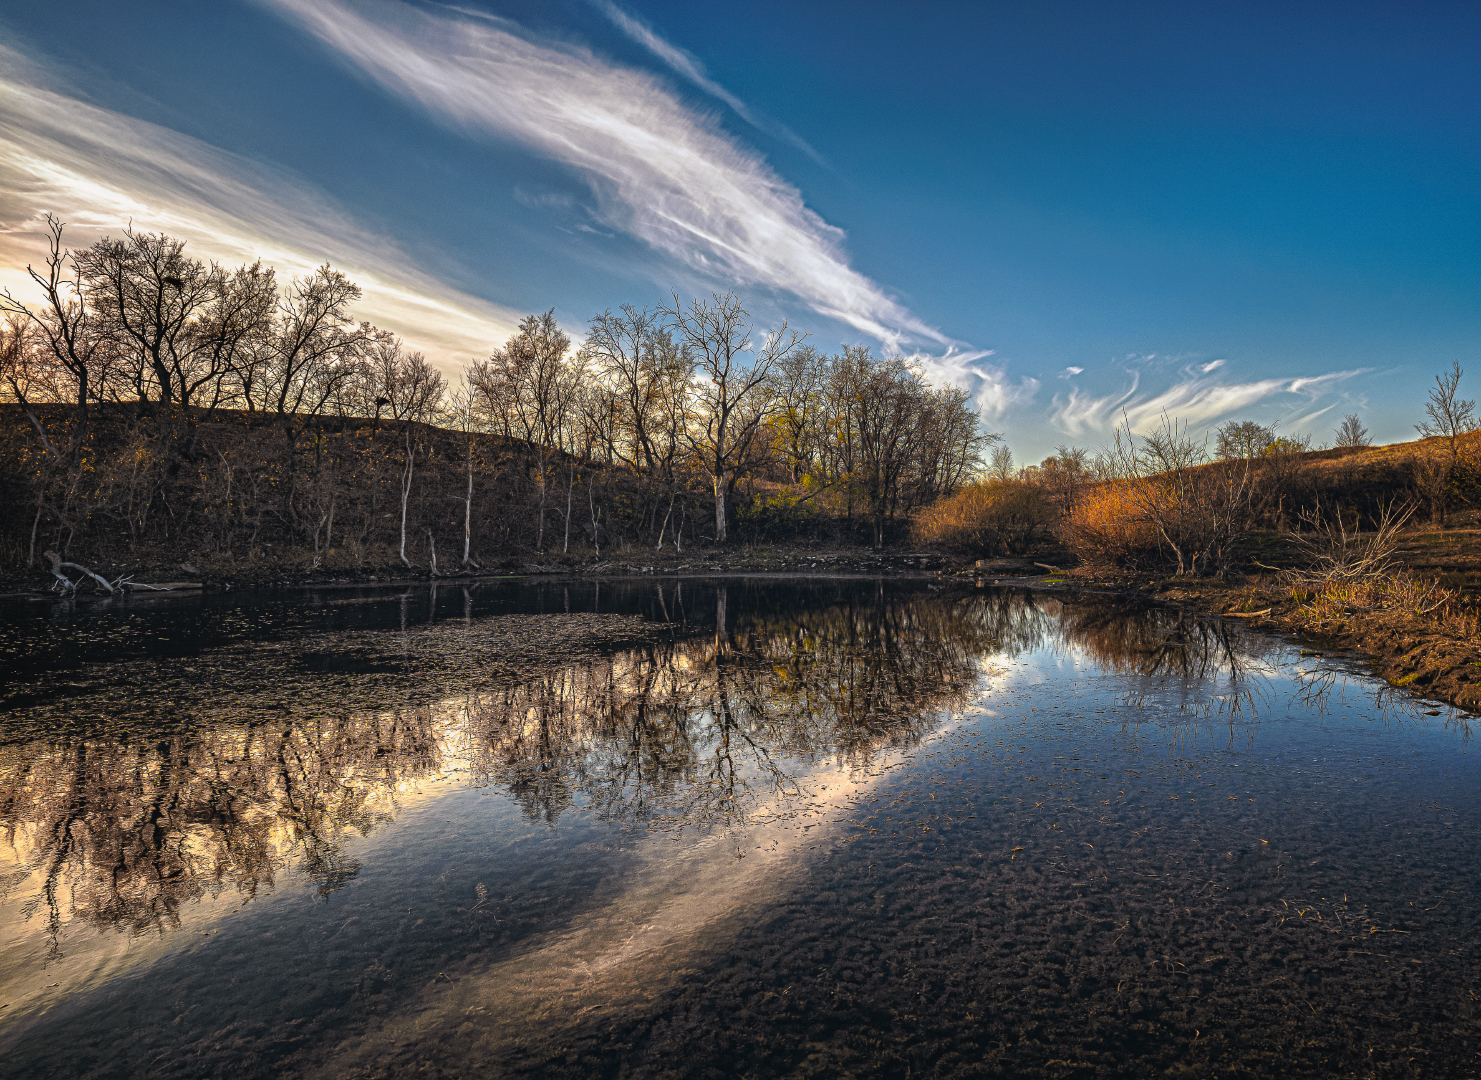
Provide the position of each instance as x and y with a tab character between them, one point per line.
705	731
698	731
125	833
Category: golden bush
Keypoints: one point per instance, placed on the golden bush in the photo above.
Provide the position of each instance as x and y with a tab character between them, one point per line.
1104	529
990	517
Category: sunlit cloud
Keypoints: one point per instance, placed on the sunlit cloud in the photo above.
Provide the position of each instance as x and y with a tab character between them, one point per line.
658	170
100	171
1079	413
1069	371
690	67
992	392
1197	399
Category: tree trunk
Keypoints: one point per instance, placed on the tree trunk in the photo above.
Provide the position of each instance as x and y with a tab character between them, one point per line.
406	495
596	515
665	527
540	521
468	512
570	490
720	530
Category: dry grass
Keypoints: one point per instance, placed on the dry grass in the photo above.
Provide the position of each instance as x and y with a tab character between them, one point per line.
1353	575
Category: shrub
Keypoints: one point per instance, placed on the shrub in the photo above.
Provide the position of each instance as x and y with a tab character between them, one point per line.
1103	530
990	517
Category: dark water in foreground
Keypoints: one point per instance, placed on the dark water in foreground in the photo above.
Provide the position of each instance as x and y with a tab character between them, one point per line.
776	828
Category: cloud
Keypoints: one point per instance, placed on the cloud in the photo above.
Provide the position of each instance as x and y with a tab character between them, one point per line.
658	170
988	384
690	67
99	170
1071	371
1196	399
1212	365
1078	413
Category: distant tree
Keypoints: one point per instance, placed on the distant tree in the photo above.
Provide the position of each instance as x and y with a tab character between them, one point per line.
1351	432
1441	475
1000	463
1448	415
1064	474
1243	439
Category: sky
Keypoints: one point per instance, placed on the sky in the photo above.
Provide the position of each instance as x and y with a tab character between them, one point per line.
1082	213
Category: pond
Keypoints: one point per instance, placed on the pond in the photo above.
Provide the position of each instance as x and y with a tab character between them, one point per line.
704	827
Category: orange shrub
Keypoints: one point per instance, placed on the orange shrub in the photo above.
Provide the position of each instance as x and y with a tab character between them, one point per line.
1104	529
991	517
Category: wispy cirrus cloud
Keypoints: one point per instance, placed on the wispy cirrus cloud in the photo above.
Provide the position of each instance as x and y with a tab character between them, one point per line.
658	170
1198	399
689	66
993	392
99	171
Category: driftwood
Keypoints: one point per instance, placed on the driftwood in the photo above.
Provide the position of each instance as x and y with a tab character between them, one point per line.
1051	569
1245	614
57	565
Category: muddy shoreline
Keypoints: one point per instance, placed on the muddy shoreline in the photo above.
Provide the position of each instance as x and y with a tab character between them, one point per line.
1409	652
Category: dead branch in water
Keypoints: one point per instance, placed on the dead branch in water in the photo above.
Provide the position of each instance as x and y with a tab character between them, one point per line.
57	565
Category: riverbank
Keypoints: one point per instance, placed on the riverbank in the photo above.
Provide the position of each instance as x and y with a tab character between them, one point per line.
299	569
1434	654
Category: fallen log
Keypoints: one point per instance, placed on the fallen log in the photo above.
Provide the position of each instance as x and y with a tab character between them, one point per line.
57	566
1245	614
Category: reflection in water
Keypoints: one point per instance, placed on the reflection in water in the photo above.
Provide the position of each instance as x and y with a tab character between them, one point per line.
695	731
686	732
122	832
126	833
698	731
744	739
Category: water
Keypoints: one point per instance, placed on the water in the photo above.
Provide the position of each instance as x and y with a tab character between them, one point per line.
758	827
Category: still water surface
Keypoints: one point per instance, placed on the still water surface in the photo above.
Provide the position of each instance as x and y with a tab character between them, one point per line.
750	827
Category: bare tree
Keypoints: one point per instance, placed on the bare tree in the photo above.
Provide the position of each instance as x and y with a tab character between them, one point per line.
315	344
400	381
151	298
1449	416
1000	464
733	395
1243	439
68	327
799	407
1439	475
1064	475
621	351
1351	432
1198	508
530	388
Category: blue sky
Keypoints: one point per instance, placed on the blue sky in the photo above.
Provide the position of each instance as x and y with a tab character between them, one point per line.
1253	211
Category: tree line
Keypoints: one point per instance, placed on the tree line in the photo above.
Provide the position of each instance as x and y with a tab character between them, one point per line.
223	410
